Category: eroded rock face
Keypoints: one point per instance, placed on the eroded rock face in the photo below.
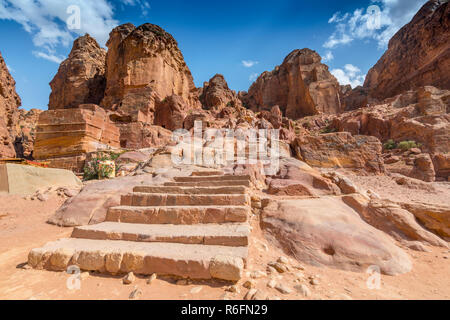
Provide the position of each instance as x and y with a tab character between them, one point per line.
26	132
340	150
81	77
301	86
338	238
86	129
418	55
420	115
216	95
9	103
145	65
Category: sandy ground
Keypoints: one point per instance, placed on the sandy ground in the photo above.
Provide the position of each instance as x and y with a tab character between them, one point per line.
23	227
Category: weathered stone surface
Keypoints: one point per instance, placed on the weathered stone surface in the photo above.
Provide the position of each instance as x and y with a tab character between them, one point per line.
27	180
228	268
421	115
91	204
63	133
171	113
296	178
174	259
433	216
442	165
9	103
340	150
145	65
418	54
216	95
301	86
392	219
26	132
339	238
81	77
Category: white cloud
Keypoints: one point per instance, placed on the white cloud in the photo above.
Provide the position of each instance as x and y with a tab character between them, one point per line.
379	22
46	21
249	63
49	56
253	77
349	75
328	56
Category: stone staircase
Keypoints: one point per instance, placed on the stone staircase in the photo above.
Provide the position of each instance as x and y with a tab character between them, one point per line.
195	227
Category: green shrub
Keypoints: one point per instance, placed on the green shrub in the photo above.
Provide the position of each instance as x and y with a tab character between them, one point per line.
91	167
407	145
390	145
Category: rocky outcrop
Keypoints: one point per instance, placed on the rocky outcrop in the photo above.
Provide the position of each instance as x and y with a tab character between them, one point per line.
9	103
85	129
418	55
421	115
394	220
81	77
301	86
26	132
216	95
171	113
340	150
145	65
312	233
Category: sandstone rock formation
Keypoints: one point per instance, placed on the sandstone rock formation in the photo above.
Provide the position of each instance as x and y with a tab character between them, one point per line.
9	103
340	150
337	238
216	95
81	77
301	86
144	65
85	129
418	55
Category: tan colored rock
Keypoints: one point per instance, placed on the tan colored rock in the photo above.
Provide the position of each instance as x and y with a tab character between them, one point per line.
337	238
137	77
61	258
433	216
216	95
171	113
81	77
340	150
86	129
392	219
226	268
418	54
129	278
9	103
301	86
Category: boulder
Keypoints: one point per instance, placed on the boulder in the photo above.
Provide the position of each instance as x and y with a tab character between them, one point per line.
312	233
392	219
27	180
296	178
340	150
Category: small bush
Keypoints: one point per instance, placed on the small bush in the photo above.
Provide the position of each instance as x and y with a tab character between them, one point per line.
407	145
92	169
390	145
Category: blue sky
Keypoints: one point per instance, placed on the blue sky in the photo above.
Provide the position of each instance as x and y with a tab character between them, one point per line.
239	39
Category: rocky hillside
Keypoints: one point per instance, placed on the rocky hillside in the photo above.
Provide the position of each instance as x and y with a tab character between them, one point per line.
300	86
9	104
418	55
